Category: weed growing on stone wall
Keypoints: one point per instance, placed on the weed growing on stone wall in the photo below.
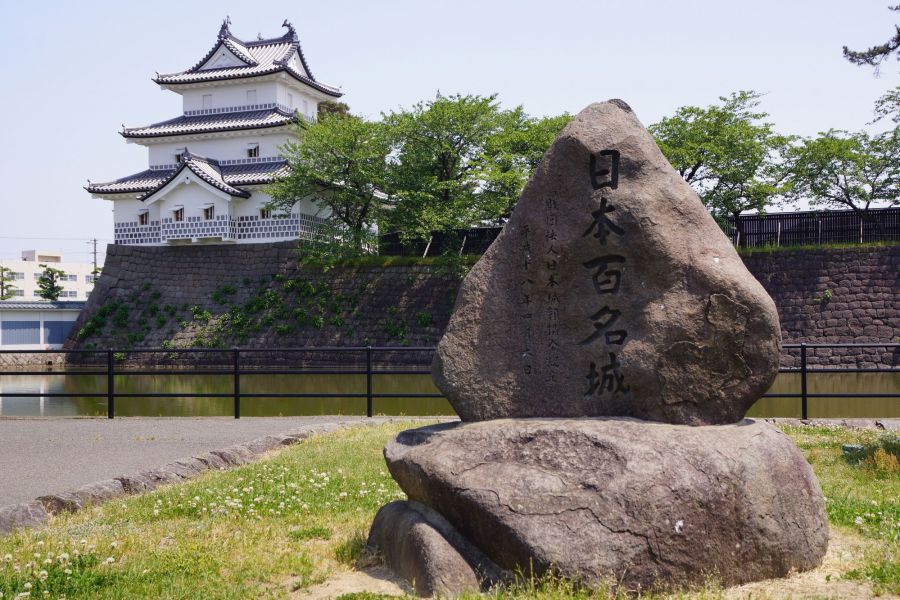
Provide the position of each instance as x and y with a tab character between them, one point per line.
201	314
221	295
396	329
280	303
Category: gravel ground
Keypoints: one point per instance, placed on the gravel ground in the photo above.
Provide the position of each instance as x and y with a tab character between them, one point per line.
48	456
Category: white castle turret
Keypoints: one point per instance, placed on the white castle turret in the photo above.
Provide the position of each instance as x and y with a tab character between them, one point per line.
208	167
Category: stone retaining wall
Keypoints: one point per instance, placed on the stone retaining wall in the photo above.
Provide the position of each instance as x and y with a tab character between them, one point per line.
410	305
836	295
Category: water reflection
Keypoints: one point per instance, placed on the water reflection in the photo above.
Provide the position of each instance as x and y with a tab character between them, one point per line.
78	405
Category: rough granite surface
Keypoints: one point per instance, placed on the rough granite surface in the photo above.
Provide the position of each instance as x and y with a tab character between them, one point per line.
639	502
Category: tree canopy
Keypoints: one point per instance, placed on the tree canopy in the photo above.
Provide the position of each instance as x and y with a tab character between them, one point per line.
461	160
847	170
343	161
452	162
727	152
49	287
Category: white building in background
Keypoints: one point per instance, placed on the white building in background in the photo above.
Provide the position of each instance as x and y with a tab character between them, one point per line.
208	167
77	282
30	325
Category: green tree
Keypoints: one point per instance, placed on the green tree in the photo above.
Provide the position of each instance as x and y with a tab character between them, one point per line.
343	161
440	154
876	55
728	153
512	155
331	107
7	289
888	106
48	283
847	170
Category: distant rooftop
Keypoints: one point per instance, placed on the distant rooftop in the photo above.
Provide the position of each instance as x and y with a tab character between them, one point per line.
44	256
41	305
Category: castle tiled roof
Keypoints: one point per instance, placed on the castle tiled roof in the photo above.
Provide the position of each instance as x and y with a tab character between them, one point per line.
224	177
206	169
260	57
230	121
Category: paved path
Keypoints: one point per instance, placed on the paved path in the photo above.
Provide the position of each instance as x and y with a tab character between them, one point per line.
41	456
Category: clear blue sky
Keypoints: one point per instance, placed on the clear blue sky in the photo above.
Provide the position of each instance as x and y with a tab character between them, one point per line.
73	72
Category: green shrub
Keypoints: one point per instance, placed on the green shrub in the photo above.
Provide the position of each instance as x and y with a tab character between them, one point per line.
396	329
220	296
300	315
318	322
282	329
423	319
120	318
200	314
881	455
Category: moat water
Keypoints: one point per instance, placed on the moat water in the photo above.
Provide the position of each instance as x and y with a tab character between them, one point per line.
75	405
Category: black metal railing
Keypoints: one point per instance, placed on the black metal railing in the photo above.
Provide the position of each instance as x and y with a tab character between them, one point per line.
814	228
803	369
235	367
804	228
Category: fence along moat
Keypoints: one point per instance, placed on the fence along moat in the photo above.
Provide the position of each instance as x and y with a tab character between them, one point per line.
360	380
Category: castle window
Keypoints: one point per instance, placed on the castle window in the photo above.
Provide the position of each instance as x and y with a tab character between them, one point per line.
291	101
209	213
207	101
306	108
178	214
265	213
144	218
251	96
178	157
252	150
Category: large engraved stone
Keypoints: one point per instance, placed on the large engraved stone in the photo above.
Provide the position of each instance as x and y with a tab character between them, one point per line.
631	501
611	291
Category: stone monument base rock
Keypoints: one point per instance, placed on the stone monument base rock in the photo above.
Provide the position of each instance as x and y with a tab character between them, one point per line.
642	503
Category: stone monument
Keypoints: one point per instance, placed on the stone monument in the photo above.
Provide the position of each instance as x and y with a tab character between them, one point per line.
602	355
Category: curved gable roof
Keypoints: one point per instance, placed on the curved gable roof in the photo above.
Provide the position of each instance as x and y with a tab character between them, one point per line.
206	169
260	57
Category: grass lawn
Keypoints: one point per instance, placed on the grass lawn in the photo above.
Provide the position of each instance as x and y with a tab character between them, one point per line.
281	527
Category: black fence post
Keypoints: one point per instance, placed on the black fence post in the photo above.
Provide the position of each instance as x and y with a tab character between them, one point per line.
237	383
368	381
110	385
804	409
